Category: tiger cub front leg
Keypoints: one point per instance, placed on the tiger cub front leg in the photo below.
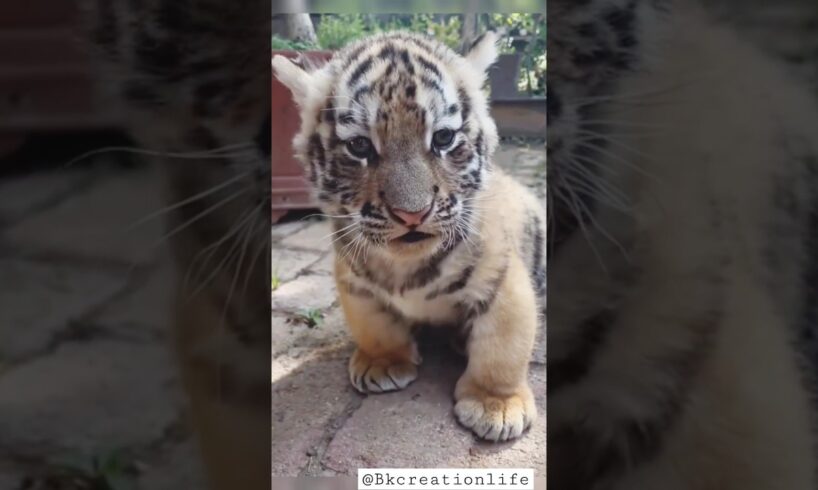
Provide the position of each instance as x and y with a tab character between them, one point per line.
493	397
386	357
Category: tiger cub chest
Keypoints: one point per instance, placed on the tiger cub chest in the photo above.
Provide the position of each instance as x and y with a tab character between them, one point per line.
436	299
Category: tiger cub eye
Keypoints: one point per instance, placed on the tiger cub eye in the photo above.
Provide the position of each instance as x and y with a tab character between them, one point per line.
442	138
360	146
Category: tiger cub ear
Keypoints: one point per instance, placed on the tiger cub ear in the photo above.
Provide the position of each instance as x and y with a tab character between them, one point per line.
483	51
294	77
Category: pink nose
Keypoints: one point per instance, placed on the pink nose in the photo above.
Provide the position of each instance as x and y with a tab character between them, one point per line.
412	218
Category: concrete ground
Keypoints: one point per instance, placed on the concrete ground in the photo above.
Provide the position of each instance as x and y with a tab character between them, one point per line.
321	425
85	372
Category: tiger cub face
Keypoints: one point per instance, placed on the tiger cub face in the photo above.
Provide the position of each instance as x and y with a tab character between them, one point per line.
396	138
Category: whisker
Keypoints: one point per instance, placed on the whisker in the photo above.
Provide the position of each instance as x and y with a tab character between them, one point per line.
573	205
261	247
185	201
609	196
614	157
223	324
339	216
625	96
617	143
193	155
247	215
199	216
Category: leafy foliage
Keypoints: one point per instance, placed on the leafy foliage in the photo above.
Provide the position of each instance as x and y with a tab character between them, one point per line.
110	471
445	29
311	317
276	282
281	44
335	31
524	34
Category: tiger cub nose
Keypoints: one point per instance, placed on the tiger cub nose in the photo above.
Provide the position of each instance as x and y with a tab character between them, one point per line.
412	218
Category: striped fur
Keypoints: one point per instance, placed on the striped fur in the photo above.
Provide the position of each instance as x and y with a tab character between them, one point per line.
480	265
670	357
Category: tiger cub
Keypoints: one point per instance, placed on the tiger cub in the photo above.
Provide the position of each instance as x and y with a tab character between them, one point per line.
397	141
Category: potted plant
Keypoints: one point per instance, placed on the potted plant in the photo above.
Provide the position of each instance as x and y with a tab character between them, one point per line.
517	80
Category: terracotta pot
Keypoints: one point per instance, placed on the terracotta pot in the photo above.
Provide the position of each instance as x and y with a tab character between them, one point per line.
290	189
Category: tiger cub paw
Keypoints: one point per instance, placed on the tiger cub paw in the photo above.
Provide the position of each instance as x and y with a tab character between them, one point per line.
382	374
496	418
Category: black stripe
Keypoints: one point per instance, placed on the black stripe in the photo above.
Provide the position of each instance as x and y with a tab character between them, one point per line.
475	43
387	52
575	365
419	42
357	291
432	84
346	118
471	310
366	89
431	269
455	286
428	65
537	269
352	57
465	102
329	112
407	61
359	72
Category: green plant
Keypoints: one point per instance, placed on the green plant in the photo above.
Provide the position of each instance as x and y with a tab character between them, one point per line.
312	317
335	31
109	471
276	281
525	34
445	28
281	44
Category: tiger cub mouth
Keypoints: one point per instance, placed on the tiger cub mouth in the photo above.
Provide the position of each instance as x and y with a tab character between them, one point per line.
414	236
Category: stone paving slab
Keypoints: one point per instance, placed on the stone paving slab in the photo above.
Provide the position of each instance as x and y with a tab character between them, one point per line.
142	311
326	265
287	264
308	403
316	236
294	338
178	468
40	300
414	427
32	192
11	478
117	202
87	397
305	293
285	229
